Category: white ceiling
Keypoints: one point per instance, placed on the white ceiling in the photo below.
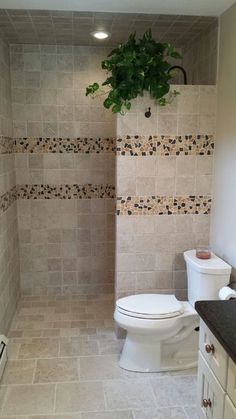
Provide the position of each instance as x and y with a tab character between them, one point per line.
187	7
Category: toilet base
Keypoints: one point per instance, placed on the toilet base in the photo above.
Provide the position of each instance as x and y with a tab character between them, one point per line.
150	355
140	355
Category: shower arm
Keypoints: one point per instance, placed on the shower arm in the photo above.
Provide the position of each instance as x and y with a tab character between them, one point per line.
178	67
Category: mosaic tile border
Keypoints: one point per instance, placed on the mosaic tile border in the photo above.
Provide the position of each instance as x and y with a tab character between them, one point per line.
165	145
124	146
153	205
7	145
65	145
66	191
163	205
7	199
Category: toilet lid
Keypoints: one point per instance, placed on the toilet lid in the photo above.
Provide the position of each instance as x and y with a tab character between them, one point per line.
150	306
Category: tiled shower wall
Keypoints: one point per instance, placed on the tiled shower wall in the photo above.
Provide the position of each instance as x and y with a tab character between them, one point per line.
200	57
9	259
164	176
66	208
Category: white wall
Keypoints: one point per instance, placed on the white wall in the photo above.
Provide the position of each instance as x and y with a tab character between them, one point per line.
223	234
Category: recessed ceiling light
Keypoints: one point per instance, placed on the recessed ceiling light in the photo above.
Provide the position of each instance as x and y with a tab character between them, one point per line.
100	34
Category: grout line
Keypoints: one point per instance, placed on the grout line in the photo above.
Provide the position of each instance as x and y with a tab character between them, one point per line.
55	399
34	373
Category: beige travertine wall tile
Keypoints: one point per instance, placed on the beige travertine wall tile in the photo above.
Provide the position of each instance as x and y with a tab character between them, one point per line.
204	184
199	57
53	87
67	246
9	259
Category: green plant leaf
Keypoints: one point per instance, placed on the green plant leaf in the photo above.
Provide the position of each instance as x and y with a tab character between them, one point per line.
116	108
137	66
107	103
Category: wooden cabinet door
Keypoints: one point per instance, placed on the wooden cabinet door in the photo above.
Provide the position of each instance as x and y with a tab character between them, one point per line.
214	353
230	409
210	398
231	381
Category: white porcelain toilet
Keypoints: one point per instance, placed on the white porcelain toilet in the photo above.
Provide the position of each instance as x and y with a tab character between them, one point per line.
162	332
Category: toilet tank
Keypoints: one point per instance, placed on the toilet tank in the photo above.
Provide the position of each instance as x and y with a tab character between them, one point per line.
205	276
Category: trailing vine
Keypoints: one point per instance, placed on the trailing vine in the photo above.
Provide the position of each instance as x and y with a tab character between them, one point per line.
135	67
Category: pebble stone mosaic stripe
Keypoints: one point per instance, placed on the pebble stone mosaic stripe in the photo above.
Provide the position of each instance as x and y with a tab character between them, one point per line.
166	145
125	146
163	205
65	145
66	191
7	199
7	145
55	192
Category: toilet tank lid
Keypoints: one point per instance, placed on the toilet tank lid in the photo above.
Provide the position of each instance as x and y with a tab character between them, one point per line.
214	265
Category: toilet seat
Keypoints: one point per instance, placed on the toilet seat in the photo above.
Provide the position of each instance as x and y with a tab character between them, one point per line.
150	306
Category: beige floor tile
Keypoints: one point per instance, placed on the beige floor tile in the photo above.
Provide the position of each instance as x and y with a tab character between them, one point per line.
39	348
29	399
132	394
56	370
106	391
19	372
79	397
70	332
163	413
3	392
125	414
14	417
175	391
75	416
191	371
110	346
191	412
13	349
102	367
77	346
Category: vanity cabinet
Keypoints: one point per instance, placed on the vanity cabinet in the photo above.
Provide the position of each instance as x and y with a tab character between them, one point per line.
216	379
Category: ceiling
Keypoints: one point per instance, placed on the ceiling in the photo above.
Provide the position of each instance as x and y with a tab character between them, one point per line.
187	7
67	27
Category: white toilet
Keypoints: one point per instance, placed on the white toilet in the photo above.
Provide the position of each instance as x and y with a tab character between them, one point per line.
162	332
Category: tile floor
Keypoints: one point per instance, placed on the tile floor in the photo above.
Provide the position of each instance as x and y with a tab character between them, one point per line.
63	364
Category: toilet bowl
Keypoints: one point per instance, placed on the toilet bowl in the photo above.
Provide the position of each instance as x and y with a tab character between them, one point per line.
156	324
162	332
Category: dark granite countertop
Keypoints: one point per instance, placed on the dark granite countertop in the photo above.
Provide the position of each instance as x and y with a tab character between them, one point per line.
220	317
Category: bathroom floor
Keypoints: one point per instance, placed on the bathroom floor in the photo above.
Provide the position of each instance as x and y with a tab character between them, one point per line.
63	363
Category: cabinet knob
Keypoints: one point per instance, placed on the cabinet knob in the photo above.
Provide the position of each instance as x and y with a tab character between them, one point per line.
206	403
209	348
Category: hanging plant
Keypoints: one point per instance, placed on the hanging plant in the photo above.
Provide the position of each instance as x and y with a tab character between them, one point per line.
133	68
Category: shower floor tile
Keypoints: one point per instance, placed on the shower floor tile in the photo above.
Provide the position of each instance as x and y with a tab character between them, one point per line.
63	364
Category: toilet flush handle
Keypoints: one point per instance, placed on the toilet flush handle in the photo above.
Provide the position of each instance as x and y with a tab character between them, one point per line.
209	348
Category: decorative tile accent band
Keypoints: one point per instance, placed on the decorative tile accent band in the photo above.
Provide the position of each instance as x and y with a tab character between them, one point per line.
166	145
66	191
65	145
163	205
7	145
125	146
7	199
55	192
